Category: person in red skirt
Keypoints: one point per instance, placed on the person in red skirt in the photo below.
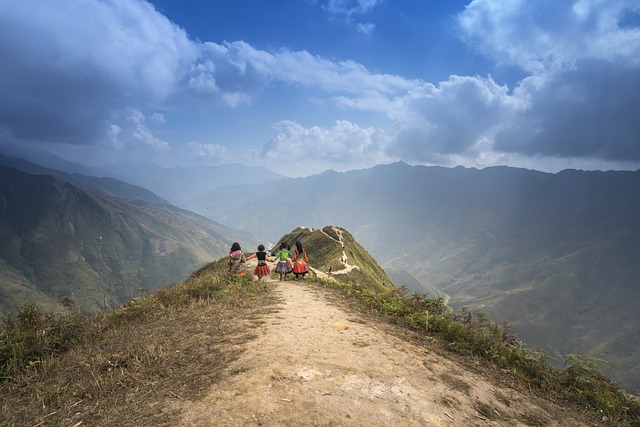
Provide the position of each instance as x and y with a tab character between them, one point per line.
262	269
300	261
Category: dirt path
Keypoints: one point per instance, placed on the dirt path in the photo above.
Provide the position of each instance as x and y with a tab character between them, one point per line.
343	259
315	364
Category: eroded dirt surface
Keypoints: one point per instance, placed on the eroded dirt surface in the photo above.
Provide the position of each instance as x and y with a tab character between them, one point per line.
316	364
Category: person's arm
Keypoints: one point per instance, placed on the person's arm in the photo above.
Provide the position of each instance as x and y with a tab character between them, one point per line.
252	256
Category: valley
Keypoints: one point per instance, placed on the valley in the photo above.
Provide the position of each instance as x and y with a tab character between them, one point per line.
555	255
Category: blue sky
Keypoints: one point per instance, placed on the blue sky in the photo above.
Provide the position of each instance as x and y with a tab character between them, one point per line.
301	86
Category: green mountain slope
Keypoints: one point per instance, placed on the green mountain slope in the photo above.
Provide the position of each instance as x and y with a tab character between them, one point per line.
57	241
109	186
333	250
557	255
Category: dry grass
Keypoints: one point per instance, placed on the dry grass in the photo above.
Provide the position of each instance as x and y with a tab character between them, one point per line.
624	409
168	347
135	365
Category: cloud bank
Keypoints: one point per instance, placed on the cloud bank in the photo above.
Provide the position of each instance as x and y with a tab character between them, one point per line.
108	73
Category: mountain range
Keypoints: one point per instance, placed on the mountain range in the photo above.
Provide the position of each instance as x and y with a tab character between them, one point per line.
555	255
62	242
177	185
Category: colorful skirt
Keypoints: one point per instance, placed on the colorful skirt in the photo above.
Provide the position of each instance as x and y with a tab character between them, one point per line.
262	270
300	267
283	267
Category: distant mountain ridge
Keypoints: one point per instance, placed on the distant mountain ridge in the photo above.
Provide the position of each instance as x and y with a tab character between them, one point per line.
109	186
173	184
59	241
181	184
557	255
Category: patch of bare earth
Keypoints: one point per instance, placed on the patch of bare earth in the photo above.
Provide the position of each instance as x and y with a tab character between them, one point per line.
295	355
316	363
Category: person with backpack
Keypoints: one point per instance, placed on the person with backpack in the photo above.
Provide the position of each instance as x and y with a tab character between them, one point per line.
262	269
236	260
284	265
300	261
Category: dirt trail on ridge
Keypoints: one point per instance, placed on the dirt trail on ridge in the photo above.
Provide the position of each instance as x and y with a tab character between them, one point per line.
315	363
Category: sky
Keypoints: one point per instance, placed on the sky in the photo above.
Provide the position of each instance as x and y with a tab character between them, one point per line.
302	86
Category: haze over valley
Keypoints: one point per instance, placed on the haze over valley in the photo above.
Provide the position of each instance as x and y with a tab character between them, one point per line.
555	255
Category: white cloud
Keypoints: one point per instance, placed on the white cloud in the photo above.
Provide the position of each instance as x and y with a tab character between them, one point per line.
349	10
89	72
231	73
451	117
206	152
142	133
548	35
308	70
113	135
157	117
350	7
237	68
584	65
366	29
345	142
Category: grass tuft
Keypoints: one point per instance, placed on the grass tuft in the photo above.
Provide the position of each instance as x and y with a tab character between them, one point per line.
475	334
116	367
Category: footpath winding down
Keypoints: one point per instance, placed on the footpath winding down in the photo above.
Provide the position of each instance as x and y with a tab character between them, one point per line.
316	363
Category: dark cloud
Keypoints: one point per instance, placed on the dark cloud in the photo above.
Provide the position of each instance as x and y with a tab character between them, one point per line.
450	118
591	111
68	71
53	105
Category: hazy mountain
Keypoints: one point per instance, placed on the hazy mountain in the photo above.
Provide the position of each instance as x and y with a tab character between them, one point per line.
181	184
557	255
49	160
108	186
176	184
59	241
401	278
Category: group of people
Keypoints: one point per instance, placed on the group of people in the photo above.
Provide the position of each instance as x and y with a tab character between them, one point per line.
295	262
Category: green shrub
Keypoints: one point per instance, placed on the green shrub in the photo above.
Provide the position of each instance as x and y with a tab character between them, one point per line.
30	336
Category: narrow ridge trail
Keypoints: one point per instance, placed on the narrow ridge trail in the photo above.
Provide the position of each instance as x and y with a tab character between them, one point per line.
316	364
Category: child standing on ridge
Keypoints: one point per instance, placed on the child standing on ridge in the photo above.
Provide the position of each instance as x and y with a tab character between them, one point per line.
236	260
284	265
300	261
262	269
